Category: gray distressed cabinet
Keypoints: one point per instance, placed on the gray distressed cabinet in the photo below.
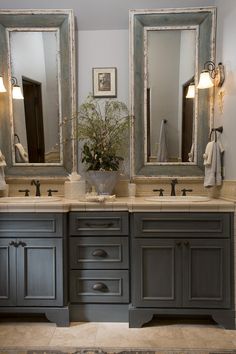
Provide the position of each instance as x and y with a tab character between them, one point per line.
33	265
99	266
181	264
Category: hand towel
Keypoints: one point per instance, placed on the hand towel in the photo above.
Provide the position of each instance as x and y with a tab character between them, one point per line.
207	156
162	155
21	154
2	176
191	154
213	175
2	160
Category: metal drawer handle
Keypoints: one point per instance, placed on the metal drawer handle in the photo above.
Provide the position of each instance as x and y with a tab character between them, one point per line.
99	253
93	225
99	287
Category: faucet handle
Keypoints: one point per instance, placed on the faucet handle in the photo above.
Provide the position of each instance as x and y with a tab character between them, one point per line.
50	191
159	190
185	190
26	191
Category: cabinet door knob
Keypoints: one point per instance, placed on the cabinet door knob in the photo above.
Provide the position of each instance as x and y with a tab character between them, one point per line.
12	243
99	253
21	243
99	287
178	244
186	243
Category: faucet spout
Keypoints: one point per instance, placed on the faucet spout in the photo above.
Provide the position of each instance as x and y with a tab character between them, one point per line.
37	185
173	183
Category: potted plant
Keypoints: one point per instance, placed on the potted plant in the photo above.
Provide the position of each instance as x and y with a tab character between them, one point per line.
103	128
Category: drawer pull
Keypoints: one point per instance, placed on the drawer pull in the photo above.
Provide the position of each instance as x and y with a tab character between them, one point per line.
99	287
21	243
99	253
93	225
13	243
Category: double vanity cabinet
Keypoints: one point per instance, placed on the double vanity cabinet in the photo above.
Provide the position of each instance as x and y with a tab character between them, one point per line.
33	256
99	265
112	265
40	251
181	264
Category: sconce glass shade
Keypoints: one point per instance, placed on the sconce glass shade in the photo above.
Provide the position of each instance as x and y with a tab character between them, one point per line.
16	93
191	91
2	87
205	80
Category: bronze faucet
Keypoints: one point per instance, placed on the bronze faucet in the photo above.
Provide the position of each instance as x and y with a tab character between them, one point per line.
37	185
173	183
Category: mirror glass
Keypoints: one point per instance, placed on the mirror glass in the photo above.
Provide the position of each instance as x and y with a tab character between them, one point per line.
34	58
168	49
169	116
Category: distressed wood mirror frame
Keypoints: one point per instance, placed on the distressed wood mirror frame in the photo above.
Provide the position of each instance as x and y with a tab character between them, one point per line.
63	22
204	20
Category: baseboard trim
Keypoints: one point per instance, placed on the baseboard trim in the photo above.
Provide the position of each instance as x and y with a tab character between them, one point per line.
99	312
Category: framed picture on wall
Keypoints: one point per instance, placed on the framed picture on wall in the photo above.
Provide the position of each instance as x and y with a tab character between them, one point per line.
104	82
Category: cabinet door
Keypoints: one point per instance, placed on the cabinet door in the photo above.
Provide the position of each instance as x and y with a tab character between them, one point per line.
156	273
40	272
7	273
206	276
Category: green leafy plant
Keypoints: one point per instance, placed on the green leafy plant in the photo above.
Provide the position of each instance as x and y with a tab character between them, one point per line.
103	127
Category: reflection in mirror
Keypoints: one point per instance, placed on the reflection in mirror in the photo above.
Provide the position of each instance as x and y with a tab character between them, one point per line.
35	62
170	65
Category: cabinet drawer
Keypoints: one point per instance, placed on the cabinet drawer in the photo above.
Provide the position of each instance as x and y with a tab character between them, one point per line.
31	225
98	223
181	224
99	286
99	253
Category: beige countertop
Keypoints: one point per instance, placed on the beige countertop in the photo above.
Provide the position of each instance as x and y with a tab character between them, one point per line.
132	204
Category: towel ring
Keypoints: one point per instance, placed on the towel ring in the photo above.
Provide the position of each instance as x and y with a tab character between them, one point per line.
17	136
215	130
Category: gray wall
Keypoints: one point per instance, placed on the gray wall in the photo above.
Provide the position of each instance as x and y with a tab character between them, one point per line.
226	52
111	16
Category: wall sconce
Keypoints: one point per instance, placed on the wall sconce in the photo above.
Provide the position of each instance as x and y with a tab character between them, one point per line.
2	87
191	91
211	75
16	90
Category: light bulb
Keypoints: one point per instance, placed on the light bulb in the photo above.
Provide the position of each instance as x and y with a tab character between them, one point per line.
191	91
205	80
2	87
16	93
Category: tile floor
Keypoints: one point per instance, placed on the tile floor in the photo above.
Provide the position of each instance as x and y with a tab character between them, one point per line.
159	334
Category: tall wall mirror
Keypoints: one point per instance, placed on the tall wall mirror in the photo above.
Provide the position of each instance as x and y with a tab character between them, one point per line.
168	49
38	127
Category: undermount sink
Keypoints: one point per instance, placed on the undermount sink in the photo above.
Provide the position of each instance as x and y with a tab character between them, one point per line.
29	199
184	199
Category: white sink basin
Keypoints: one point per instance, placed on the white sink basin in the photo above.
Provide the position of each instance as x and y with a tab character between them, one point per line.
24	200
184	199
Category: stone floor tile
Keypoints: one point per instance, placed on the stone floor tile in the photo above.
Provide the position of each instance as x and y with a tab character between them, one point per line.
77	335
119	335
208	338
22	336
